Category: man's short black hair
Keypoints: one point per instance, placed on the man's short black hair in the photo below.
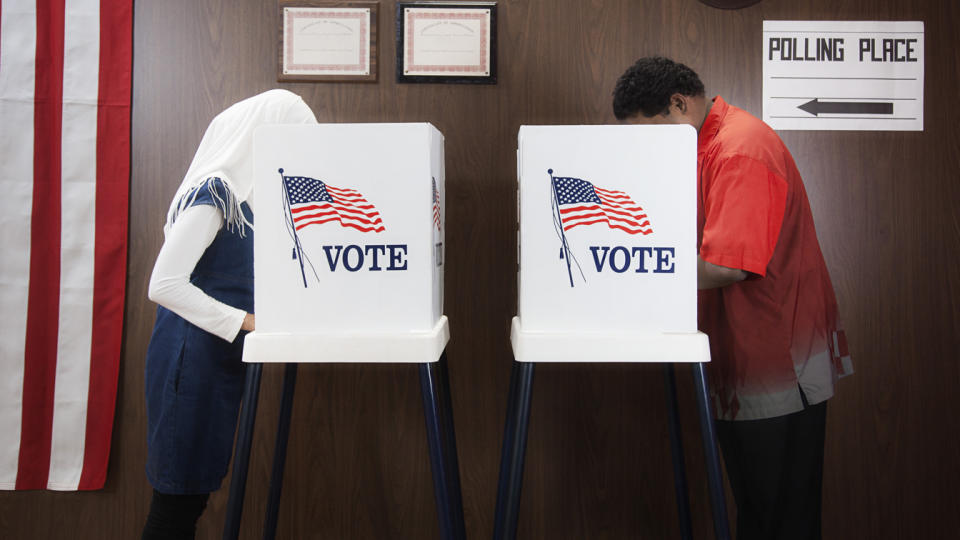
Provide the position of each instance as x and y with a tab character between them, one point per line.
647	85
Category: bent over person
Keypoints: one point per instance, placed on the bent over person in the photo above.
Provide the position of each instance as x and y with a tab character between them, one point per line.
203	281
766	301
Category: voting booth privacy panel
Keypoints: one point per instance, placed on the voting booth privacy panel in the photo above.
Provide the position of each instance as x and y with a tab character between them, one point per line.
607	241
348	250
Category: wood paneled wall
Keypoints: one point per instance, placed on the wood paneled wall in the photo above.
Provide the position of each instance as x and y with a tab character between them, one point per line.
598	462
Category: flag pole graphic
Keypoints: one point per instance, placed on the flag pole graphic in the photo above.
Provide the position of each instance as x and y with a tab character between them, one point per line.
292	229
558	225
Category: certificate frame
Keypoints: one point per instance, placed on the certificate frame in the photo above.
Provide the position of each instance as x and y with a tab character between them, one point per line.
461	49
327	41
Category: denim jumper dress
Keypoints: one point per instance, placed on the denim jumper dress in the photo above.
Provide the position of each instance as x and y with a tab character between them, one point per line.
194	379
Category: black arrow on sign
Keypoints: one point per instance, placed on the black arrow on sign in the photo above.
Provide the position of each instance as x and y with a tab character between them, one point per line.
816	107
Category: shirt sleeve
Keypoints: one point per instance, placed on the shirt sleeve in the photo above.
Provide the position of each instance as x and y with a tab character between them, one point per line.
186	241
744	205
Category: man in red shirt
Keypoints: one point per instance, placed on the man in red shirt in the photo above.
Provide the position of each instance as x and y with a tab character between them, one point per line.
766	300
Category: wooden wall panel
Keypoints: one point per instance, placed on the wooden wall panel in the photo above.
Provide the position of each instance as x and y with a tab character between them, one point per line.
598	462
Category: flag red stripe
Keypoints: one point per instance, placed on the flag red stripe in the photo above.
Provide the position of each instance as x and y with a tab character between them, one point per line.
334	207
343	223
359	202
632	207
570	209
581	217
567	227
595	207
110	252
307	217
631	215
631	227
320	215
611	193
348	194
611	225
328	209
350	207
623	207
43	304
343	191
629	218
630	231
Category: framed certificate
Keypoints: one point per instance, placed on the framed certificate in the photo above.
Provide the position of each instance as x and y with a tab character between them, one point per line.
447	42
328	41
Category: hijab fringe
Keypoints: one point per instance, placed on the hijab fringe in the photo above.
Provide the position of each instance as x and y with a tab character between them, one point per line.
229	206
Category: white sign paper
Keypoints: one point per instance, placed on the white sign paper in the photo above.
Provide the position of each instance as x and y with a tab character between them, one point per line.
843	75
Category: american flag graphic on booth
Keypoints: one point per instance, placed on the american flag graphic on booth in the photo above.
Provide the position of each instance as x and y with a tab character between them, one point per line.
436	204
313	202
582	203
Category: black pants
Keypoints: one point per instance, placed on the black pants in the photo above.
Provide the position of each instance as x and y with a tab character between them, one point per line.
775	467
174	517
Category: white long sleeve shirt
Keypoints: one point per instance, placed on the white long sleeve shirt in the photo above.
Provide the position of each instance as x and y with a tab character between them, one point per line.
185	242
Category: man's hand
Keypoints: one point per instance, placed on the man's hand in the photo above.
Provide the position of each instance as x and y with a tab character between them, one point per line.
712	276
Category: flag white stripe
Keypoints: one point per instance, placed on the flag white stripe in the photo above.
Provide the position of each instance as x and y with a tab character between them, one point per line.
78	231
18	33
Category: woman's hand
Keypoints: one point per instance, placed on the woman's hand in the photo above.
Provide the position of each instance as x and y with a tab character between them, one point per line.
248	322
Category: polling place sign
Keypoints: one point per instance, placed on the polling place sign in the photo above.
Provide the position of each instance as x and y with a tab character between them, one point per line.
843	75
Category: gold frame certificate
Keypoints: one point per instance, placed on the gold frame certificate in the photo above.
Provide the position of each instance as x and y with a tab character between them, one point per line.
328	41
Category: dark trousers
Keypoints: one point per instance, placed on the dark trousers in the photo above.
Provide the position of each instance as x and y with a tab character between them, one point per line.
174	517
775	467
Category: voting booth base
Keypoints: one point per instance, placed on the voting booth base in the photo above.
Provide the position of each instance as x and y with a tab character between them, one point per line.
348	265
513	452
441	439
607	273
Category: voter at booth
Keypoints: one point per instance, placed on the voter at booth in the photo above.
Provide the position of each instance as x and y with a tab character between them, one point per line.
203	281
766	301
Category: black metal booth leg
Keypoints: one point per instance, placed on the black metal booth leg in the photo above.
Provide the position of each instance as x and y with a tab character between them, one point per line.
676	451
514	450
434	387
450	447
721	526
280	451
241	455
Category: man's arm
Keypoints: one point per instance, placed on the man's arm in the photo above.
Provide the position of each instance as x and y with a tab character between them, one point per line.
712	276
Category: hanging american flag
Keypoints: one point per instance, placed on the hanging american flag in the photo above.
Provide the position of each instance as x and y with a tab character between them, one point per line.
582	203
436	204
65	73
313	202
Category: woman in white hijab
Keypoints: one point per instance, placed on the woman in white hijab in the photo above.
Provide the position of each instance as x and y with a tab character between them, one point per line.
203	281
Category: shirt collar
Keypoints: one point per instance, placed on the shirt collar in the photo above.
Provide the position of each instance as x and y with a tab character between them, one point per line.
711	124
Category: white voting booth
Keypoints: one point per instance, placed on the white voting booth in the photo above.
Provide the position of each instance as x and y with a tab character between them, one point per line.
608	273
608	261
348	250
348	267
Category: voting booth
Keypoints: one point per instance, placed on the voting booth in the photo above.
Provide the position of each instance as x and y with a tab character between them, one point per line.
348	266
348	252
608	271
608	261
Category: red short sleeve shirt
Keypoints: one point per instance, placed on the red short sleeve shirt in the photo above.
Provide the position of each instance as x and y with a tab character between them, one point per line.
774	334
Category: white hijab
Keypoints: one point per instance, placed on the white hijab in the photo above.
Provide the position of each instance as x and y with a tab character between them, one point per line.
226	152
